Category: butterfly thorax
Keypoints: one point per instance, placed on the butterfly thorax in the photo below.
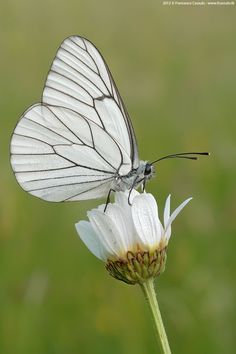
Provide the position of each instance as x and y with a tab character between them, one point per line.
134	178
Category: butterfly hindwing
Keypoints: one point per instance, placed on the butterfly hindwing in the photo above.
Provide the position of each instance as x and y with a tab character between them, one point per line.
59	155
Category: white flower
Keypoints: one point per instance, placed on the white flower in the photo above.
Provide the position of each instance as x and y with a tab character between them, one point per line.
127	233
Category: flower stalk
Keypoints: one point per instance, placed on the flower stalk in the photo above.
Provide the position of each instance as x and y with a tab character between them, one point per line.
150	295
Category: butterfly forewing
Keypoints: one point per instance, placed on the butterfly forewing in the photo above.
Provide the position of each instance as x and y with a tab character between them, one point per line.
79	79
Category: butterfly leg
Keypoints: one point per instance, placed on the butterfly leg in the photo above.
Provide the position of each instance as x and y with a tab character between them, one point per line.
143	185
132	187
130	195
108	198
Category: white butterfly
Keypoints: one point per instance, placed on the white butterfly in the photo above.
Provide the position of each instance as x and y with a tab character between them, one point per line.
78	143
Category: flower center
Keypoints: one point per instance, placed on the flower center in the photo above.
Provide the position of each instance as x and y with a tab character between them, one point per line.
137	267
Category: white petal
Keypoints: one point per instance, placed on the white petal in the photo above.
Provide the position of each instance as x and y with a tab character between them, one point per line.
122	202
101	207
145	217
167	211
123	224
122	197
174	215
167	233
107	232
90	239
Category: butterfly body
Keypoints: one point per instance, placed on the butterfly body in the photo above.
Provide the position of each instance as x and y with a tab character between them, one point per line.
134	178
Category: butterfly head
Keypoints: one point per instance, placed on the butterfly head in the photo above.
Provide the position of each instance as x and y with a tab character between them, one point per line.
149	170
141	175
145	170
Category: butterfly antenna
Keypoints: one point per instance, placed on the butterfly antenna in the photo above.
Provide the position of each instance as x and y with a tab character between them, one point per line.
182	155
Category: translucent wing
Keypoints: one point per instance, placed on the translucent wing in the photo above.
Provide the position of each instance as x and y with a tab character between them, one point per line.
59	155
80	80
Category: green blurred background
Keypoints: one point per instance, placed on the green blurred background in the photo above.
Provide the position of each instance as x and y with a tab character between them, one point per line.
175	69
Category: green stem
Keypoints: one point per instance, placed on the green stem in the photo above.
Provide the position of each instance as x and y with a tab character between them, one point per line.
149	292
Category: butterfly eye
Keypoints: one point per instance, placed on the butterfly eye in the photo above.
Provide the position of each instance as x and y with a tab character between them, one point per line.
148	169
